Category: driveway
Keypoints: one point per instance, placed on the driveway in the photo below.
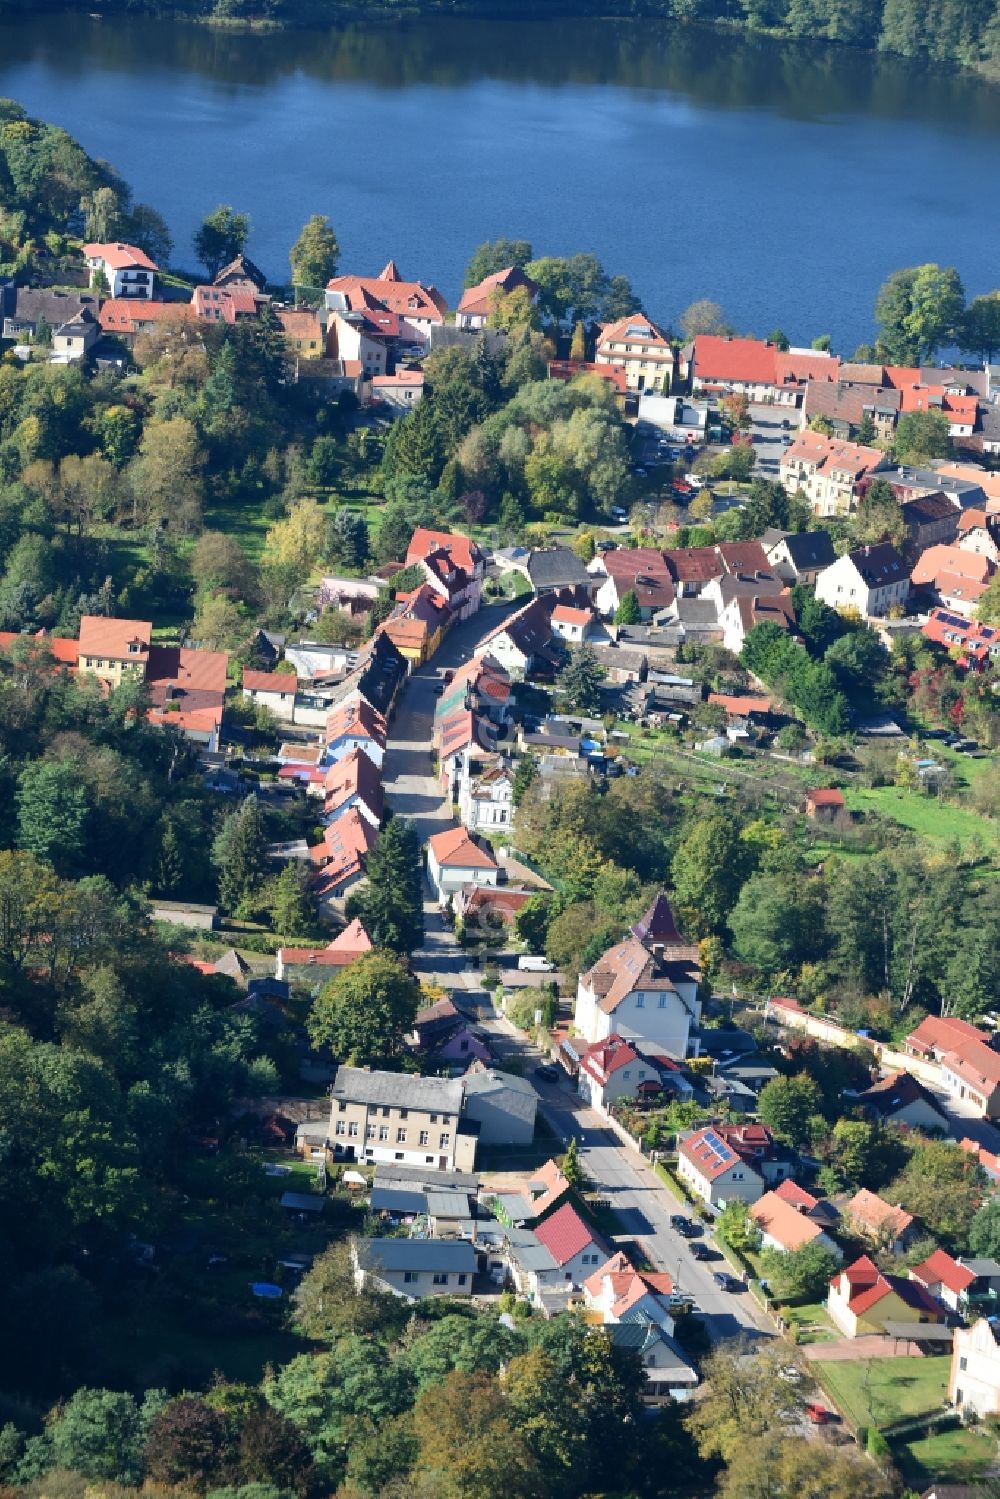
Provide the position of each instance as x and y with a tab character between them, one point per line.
768	436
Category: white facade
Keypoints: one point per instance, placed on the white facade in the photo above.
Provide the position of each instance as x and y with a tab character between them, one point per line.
487	801
738	1183
663	1017
281	704
974	1383
842	587
449	878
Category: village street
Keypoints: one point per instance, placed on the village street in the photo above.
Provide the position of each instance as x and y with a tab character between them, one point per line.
642	1204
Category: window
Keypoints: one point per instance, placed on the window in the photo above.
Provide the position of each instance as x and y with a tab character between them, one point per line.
963	1364
640	1001
445	1118
352	1130
383	1132
341	1128
462	1279
663	1001
440	1278
428	1160
424	1138
369	1131
404	1113
341	1107
445	1140
409	1277
401	1137
386	1112
434	1119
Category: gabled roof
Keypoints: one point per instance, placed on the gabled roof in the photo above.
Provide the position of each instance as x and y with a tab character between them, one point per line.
355	718
741	360
355	775
942	1033
462	550
479	300
456	848
809	549
603	1058
628	966
878	565
192	683
977	1064
270	681
564	1234
791	1192
111	638
867	1286
826	796
658	924
873	1213
940	1269
346	844
390	292
896	1092
710	1153
783	1222
120	257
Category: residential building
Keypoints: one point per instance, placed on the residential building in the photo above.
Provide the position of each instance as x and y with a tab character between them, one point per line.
576	1248
880	1222
972	1074
870	582
479	301
785	1223
415	1269
273	690
618	1289
128	271
114	649
930	520
400	391
747	604
638	346
486	800
297	963
490	909
798	556
455	859
570	625
361	341
74	339
417	624
945	1279
828	470
952	577
669	1376
353	782
638	570
902	1100
25	309
230	305
448	555
555	569
644	987
523	642
974	1381
339	861
186	687
936	1036
394	1116
614	1069
976	645
846	404
480	686
241	274
715	1172
303	331
418	308
354	725
756	369
861	1300
502	1104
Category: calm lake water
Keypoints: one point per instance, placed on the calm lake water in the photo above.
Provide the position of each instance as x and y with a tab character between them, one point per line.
783	182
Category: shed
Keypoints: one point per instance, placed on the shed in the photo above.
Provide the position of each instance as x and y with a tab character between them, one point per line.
302	1202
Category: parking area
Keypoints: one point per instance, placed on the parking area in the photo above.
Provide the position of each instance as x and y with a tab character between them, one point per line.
772	429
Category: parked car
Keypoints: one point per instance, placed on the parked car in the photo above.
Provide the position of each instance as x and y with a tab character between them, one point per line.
727	1282
818	1414
547	1070
607	545
618	512
683	1225
531	963
701	1251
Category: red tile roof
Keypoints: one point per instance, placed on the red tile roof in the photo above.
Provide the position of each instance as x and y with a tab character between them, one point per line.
798	366
478	300
826	796
564	1234
120	257
388	291
782	1221
353	942
354	775
935	1034
127	314
457	848
710	1151
976	1064
342	853
746	361
355	718
269	681
790	1191
940	1269
874	1214
111	638
462	550
606	1057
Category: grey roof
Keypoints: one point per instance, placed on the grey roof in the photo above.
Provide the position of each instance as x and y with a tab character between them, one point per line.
448	1205
988	1268
314	1133
416	1254
557	567
387	1173
56	307
302	1202
695	611
491	1081
399	1200
526	1250
401	1090
810	549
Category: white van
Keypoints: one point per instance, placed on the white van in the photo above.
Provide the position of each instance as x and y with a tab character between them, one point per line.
527	963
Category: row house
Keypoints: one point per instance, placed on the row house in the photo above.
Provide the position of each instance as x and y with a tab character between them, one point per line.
486	799
353	782
828	470
639	570
846	404
977	646
952	577
523	643
755	368
354	725
797	556
339	861
930	520
417	624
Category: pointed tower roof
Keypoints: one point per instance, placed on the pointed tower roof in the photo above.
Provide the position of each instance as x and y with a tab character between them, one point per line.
658	924
353	939
390	272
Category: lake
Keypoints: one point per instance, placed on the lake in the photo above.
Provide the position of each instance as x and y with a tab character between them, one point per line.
784	182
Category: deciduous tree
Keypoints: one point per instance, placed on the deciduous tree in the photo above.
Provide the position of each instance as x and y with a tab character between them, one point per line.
315	254
364	1013
221	236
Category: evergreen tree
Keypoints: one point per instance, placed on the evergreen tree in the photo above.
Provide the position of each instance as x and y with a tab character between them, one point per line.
390	906
347	539
170	865
865	434
571	1165
628	611
240	854
314	255
52	813
289	905
580	680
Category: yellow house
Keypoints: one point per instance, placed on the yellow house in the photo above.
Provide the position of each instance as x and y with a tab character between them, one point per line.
302	330
862	1300
114	648
417	629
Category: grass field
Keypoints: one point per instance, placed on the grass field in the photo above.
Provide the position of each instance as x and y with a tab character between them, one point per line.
930	818
881	1391
957	1456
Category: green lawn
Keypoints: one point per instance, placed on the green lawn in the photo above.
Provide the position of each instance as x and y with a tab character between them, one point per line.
812	1320
960	1455
881	1391
935	820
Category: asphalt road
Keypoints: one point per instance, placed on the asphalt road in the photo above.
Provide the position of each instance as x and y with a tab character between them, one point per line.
643	1205
768	436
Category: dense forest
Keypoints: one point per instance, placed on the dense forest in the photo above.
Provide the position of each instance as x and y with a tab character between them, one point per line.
964	32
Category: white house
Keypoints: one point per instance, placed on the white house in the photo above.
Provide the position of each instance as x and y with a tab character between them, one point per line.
974	1382
486	800
612	1069
454	859
273	690
644	987
869	581
786	1223
571	625
128	271
400	392
415	1268
944	1278
572	1243
711	1169
478	302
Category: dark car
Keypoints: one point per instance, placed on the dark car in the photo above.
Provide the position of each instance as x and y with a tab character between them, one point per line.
727	1282
549	1071
683	1225
701	1252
